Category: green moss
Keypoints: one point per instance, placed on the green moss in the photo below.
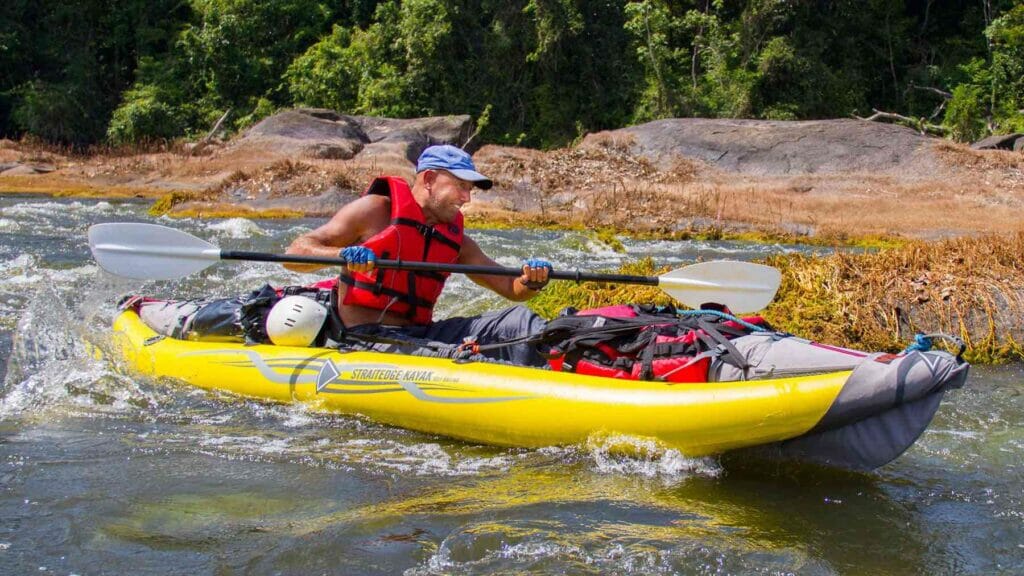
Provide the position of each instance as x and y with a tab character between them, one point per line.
235	212
165	203
609	234
713	234
60	188
608	237
560	294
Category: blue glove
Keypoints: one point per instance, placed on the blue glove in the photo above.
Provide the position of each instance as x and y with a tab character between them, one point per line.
535	273
359	258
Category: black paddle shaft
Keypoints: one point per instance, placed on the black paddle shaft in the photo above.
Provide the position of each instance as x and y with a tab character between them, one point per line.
575	275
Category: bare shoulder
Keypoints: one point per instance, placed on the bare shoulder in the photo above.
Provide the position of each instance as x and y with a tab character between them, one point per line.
352	223
367	206
365	212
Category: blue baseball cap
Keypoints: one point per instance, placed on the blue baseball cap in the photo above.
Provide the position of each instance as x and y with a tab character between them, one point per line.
455	160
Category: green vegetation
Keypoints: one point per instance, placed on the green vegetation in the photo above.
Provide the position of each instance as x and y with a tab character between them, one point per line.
543	71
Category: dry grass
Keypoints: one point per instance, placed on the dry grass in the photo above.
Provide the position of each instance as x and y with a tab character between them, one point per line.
972	288
600	183
284	178
595	184
847	206
969	287
961	157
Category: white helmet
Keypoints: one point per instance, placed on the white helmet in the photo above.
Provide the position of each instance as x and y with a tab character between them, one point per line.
295	321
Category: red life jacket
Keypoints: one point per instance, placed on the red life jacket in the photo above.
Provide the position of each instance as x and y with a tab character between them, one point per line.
408	237
634	343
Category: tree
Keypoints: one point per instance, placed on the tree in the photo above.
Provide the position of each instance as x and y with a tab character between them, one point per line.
1006	35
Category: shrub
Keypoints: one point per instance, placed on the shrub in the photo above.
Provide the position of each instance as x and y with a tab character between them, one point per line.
965	115
142	116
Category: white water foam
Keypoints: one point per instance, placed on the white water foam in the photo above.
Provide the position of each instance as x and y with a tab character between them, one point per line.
631	456
19	272
51	366
236	228
62	209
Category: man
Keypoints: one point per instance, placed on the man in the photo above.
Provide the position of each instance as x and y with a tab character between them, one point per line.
421	223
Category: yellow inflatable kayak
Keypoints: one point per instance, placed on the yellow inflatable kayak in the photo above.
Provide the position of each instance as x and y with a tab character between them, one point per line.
860	417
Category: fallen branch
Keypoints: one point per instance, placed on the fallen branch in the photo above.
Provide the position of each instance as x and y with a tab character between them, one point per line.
919	124
202	144
945	95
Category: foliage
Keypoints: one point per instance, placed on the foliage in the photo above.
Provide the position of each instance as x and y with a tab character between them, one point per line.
79	71
325	76
57	111
1006	35
965	115
143	115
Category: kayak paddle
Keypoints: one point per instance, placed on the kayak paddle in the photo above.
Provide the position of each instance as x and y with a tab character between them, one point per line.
154	252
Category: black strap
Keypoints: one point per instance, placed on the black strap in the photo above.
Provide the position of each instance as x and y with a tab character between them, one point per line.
411	296
378	284
402	296
732	354
428	232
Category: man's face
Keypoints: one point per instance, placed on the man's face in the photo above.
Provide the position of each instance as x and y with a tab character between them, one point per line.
447	195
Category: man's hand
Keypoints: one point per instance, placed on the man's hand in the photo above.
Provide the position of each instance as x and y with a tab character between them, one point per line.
535	274
359	258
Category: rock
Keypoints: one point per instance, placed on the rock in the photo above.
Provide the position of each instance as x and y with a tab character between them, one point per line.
327	151
312	132
766	148
322	133
408	138
23	170
1018	145
998	142
201	148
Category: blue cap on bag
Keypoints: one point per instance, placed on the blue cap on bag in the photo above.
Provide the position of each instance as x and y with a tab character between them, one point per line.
454	160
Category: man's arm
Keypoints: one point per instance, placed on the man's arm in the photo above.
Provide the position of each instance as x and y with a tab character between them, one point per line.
512	288
353	223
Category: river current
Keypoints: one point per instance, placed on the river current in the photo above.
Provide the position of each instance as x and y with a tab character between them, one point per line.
104	473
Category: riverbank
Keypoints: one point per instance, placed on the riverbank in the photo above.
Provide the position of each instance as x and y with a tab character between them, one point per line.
932	214
829	182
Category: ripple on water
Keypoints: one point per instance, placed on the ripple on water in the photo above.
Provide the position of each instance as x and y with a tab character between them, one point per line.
567	545
377	456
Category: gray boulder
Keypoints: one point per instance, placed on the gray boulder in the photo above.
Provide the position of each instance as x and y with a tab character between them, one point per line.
408	137
999	142
313	132
767	148
321	133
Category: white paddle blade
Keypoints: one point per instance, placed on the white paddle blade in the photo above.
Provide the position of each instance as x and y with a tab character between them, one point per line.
742	286
149	251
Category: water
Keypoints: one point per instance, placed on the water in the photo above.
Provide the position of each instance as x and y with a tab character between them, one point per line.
101	473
